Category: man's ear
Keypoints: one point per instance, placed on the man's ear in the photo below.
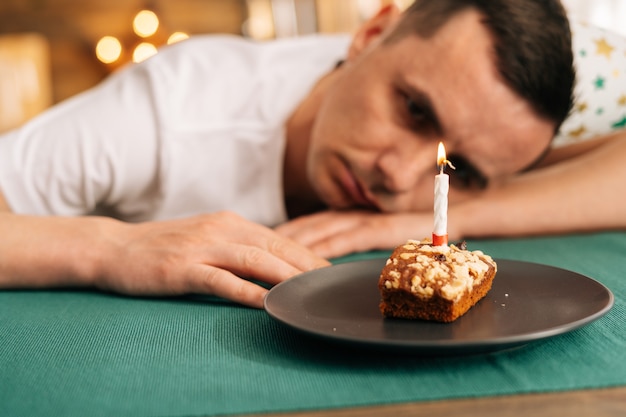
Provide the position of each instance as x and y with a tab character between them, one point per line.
373	28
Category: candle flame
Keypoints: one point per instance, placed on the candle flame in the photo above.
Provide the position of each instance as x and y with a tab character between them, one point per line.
441	158
441	154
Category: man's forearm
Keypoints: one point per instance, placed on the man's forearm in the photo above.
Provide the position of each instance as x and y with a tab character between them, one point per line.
50	251
583	193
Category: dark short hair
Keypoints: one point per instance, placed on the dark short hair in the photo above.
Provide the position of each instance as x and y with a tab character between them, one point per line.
532	42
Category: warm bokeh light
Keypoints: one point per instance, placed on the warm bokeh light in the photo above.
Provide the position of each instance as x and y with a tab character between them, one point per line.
143	51
259	28
260	22
177	37
108	49
145	23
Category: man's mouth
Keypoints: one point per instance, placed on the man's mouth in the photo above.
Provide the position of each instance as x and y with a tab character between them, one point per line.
354	190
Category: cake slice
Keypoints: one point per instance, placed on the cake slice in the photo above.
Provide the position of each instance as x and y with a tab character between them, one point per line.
437	283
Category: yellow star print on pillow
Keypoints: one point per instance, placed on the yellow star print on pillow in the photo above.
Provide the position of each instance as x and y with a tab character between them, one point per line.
600	92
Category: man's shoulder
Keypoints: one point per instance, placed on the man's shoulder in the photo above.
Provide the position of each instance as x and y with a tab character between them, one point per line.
234	57
214	46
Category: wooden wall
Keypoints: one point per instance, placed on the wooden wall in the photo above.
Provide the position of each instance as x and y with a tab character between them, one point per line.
73	28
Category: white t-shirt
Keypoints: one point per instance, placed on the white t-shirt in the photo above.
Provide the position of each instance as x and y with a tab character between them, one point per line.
197	128
200	128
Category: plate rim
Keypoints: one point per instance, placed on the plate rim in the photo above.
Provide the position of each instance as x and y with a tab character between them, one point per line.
449	345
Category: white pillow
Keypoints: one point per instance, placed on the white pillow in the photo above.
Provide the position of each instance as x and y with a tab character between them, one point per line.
600	92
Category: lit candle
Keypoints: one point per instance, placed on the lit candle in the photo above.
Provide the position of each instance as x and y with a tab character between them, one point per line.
442	184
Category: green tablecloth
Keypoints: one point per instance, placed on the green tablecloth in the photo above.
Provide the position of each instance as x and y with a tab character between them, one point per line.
83	353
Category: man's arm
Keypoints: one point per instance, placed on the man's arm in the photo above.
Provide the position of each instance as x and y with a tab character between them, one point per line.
210	254
574	150
583	192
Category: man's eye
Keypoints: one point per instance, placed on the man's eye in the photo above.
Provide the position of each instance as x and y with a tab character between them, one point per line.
465	175
417	112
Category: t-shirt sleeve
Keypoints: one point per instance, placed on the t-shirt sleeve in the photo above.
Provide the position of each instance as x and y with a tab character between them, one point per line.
600	91
96	150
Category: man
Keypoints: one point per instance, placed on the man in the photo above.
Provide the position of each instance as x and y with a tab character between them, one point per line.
577	186
153	147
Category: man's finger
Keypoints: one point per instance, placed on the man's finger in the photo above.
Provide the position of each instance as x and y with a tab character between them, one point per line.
204	279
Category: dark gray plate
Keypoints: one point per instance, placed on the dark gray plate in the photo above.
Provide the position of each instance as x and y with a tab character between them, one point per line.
527	302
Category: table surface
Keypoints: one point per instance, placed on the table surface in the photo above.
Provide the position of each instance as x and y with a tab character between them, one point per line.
608	402
67	353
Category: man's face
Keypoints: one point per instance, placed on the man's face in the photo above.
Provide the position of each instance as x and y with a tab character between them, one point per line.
374	141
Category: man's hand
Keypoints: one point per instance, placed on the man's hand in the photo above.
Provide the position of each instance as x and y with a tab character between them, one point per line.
336	233
210	254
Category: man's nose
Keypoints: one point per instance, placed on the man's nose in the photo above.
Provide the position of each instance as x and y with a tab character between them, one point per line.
404	169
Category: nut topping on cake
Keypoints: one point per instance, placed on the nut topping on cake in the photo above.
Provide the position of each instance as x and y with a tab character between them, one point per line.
445	279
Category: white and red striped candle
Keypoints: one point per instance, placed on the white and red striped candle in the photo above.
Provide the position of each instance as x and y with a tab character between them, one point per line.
442	184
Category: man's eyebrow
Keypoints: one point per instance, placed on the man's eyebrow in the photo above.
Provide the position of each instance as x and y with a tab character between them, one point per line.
423	101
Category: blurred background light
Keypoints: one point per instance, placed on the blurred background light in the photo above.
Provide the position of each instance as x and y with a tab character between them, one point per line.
108	49
146	23
177	37
143	51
